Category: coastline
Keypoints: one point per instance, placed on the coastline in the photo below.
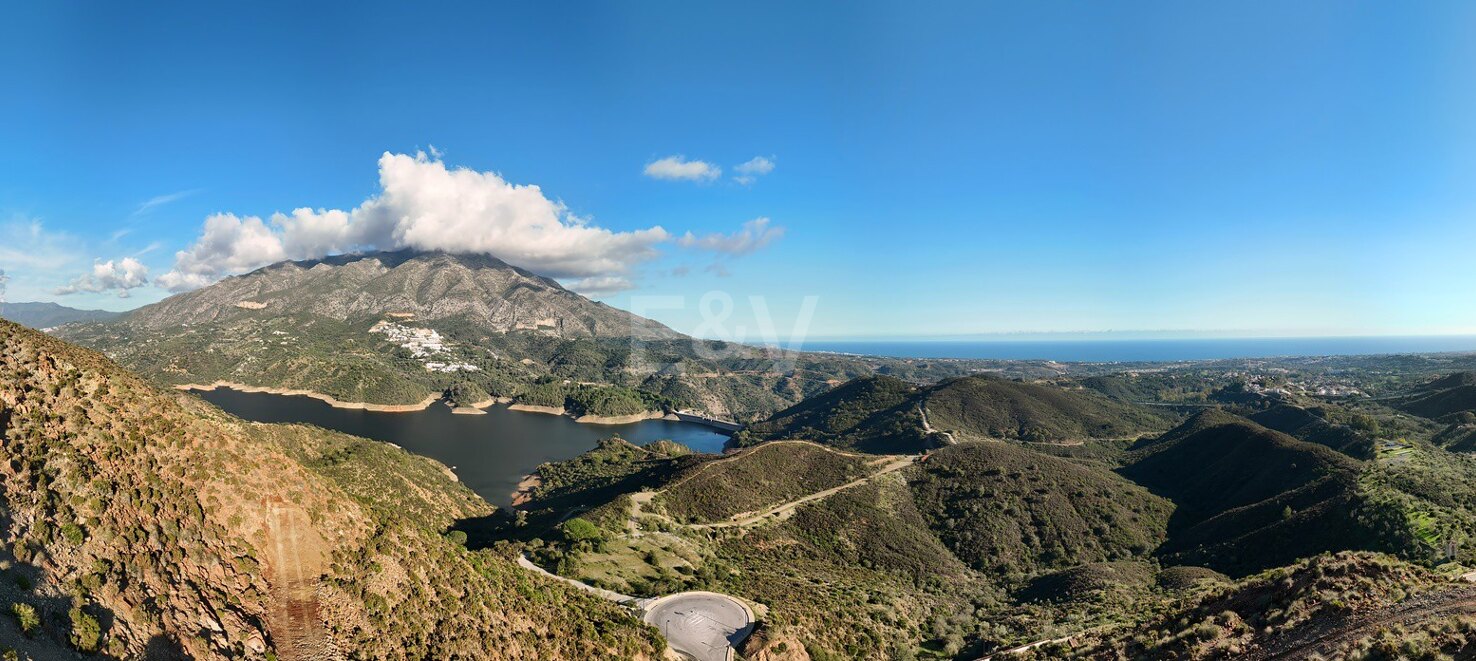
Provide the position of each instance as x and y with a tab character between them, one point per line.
534	408
620	419
476	408
524	492
331	401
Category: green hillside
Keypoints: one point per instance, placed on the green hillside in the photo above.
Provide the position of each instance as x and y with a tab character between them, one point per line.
874	414
1460	436
1309	426
754	479
1248	497
986	407
614	467
1012	512
1444	396
886	415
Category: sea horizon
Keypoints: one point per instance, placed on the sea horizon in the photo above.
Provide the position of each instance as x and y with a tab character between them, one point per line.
1138	349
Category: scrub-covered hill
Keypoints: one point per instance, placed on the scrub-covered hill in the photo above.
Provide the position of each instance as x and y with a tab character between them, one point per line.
1012	512
1343	606
147	522
1447	395
874	414
1247	497
887	415
985	407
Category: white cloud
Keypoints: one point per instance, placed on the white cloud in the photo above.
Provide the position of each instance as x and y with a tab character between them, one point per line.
754	235
678	167
228	245
3	280
604	284
425	206
176	281
750	170
120	276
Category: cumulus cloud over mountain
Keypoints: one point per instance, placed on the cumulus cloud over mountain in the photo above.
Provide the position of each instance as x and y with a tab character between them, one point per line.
424	205
110	276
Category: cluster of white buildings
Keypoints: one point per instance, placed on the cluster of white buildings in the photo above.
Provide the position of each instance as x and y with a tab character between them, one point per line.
423	344
1321	387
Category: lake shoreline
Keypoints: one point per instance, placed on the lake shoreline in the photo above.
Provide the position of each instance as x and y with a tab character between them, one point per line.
623	419
327	399
492	454
476	408
524	493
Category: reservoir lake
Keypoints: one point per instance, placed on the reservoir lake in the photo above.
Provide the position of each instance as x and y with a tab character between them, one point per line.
490	453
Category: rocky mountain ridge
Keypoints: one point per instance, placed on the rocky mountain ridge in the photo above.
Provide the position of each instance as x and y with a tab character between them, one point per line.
427	286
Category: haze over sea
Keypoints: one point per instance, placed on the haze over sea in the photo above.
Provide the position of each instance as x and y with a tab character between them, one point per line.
1143	350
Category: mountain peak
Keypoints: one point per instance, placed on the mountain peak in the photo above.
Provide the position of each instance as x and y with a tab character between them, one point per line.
427	286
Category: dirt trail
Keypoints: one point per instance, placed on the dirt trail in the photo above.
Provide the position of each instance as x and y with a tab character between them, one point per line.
947	435
783	509
637	504
1327	635
294	562
640	499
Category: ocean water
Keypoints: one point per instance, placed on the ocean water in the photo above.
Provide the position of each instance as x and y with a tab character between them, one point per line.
1149	350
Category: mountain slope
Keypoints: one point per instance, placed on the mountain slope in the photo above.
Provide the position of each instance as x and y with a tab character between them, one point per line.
1248	497
477	289
1453	393
1013	512
1311	427
886	415
48	315
876	414
176	529
985	407
1349	605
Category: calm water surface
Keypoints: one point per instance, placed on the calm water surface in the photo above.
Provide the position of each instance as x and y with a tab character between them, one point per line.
490	453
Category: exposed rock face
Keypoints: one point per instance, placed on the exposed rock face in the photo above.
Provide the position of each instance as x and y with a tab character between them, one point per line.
426	286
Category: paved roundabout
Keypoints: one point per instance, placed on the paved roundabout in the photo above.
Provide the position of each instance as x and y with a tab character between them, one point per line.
702	625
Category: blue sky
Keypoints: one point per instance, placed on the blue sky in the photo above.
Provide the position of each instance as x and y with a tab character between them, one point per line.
938	169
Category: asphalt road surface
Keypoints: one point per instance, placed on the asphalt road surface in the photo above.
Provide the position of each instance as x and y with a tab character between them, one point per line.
702	625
